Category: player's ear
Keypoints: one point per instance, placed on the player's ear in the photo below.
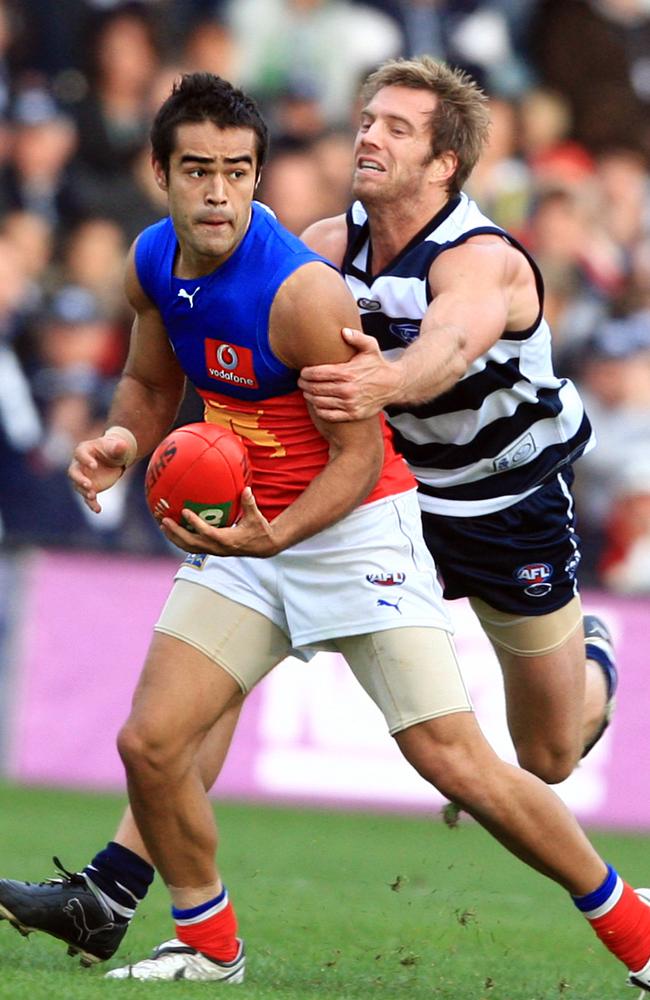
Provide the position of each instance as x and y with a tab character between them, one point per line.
258	179
444	166
160	174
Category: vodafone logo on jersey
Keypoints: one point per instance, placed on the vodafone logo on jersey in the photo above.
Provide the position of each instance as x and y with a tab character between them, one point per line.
227	363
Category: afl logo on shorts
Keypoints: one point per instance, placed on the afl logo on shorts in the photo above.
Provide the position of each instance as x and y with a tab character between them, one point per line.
535	577
386	579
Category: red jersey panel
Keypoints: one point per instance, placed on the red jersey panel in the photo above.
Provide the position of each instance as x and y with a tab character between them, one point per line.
287	451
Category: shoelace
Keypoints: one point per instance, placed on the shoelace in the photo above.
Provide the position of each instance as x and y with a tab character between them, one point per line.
74	878
169	959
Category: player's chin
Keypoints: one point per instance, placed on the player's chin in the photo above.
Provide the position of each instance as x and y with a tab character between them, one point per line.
214	241
365	184
215	247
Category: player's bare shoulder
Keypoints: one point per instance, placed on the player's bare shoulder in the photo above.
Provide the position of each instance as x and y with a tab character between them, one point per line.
310	309
311	286
134	291
483	259
491	276
151	357
328	237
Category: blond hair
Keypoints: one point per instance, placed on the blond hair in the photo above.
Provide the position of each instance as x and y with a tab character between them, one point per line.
460	122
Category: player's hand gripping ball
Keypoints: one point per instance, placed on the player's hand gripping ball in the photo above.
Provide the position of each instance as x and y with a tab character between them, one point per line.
199	467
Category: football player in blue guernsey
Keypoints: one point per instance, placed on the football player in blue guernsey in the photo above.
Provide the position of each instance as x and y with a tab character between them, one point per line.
299	567
457	352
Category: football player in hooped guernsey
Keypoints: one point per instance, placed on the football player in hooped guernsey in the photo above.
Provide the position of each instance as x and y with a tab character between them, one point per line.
225	297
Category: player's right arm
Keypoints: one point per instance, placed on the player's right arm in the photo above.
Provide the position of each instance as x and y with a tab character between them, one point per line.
144	405
479	289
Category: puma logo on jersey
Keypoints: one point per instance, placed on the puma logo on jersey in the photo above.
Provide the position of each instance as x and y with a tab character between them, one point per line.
184	294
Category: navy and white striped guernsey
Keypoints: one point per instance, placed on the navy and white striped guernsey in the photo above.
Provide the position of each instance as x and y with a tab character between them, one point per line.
510	423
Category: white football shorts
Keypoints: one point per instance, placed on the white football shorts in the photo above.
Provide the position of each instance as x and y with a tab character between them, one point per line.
368	572
366	587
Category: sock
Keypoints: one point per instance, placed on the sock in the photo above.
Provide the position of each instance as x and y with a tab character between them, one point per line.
211	927
620	919
120	878
601	652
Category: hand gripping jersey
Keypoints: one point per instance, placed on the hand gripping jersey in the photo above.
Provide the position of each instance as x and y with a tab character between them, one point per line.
218	325
510	423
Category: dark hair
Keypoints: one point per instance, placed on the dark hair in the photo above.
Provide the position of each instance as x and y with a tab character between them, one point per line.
199	97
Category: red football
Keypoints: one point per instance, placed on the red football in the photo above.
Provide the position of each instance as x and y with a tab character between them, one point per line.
201	467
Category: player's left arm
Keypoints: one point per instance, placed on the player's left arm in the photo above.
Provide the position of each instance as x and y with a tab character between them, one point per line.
307	316
473	287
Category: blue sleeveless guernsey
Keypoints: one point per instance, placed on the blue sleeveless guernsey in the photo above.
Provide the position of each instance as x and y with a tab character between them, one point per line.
218	326
218	323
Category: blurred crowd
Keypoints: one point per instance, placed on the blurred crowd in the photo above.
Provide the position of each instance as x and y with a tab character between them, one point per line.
566	171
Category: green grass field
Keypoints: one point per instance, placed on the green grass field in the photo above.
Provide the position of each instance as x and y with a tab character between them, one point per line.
332	905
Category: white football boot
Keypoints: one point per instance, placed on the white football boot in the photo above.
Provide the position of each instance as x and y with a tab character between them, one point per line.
174	960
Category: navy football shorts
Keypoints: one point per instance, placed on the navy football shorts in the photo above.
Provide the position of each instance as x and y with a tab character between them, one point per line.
521	560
